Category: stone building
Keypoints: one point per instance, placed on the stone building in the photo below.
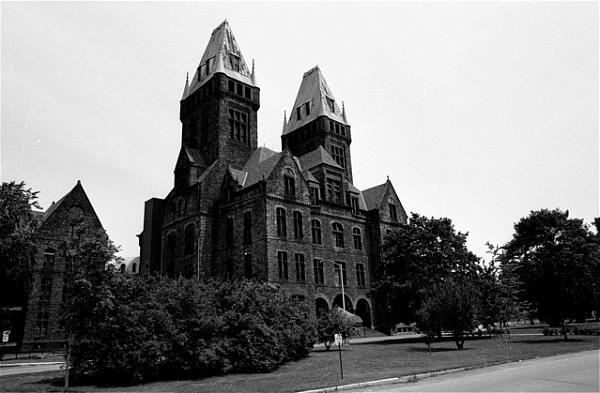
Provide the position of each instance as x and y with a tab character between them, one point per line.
238	210
55	227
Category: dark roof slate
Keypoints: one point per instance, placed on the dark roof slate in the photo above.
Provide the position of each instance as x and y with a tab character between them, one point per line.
317	157
374	195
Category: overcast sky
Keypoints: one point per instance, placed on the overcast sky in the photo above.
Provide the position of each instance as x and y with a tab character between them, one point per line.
480	112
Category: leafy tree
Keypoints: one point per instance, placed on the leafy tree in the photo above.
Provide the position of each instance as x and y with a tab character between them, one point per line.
448	305
17	250
556	261
17	247
332	322
415	257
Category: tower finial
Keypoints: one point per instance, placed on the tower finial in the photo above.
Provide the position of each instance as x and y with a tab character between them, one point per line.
344	112
186	88
253	75
284	121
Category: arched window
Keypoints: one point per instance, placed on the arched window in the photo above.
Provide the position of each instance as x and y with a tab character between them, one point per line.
357	238
316	231
49	258
338	234
189	239
134	267
289	184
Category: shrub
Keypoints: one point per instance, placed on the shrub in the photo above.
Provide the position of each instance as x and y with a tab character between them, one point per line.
335	321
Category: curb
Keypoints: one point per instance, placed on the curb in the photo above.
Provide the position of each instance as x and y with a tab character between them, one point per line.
30	364
403	379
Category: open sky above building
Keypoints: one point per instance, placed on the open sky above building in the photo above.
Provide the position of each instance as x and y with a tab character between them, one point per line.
477	111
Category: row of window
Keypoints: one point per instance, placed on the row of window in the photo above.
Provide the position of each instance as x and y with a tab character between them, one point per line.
337	229
239	89
188	242
238	126
318	270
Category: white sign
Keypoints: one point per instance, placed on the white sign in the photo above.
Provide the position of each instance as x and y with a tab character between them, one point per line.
5	335
337	339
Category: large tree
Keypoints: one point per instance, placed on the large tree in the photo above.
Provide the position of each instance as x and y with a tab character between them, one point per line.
415	257
556	261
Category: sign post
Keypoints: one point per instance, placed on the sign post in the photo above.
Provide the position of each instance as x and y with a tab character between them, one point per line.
338	342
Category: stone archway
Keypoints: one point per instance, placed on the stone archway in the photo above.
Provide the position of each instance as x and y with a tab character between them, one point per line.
321	306
363	310
337	301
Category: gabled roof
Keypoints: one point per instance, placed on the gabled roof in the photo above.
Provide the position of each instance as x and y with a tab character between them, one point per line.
313	89
238	176
374	195
195	157
317	157
222	54
78	189
260	165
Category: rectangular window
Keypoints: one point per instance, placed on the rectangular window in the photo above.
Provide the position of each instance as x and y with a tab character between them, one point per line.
300	274
354	202
337	266
314	195
238	126
247	227
298	232
231	86
248	265
360	274
281	227
307	108
318	271
299	112
289	185
334	190
46	288
357	239
316	231
339	154
331	104
282	265
247	93
41	323
330	125
235	62
229	232
239	88
49	258
393	213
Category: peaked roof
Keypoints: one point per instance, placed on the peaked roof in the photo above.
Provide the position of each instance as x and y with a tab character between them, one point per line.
222	54
55	205
374	195
260	165
316	92
317	157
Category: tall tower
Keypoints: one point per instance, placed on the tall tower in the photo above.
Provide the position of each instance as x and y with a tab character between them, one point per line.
219	105
316	120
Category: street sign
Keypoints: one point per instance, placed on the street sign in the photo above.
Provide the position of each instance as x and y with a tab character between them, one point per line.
337	339
5	335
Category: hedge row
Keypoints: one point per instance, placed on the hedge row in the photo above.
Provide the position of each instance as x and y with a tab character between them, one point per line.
134	329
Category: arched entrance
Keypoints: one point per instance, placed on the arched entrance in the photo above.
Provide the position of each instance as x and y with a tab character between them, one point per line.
363	310
321	306
338	302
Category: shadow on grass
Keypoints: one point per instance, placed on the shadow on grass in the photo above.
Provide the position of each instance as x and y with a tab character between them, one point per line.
548	341
434	349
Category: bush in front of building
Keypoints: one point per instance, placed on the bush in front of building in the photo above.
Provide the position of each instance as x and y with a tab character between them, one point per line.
334	322
139	329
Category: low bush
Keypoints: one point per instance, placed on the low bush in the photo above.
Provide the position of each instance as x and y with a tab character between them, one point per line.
139	329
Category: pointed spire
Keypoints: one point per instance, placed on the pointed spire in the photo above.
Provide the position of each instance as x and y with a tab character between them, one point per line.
186	89
253	75
344	112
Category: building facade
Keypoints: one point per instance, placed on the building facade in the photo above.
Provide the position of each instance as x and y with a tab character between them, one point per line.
57	226
238	210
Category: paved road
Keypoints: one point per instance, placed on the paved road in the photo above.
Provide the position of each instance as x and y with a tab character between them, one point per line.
5	371
575	372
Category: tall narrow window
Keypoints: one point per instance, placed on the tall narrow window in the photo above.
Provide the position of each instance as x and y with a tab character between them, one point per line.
235	62
339	155
307	108
247	227
229	232
316	231
46	288
318	271
331	104
41	323
49	258
282	265
281	227
334	190
314	195
248	266
357	238
338	234
298	232
393	213
289	184
354	202
299	112
189	240
134	267
300	274
337	267
238	126
360	274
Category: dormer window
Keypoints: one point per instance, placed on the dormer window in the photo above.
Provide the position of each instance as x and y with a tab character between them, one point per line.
299	112
235	62
331	104
209	65
307	108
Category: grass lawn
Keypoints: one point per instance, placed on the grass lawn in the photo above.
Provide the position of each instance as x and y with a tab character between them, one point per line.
362	362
